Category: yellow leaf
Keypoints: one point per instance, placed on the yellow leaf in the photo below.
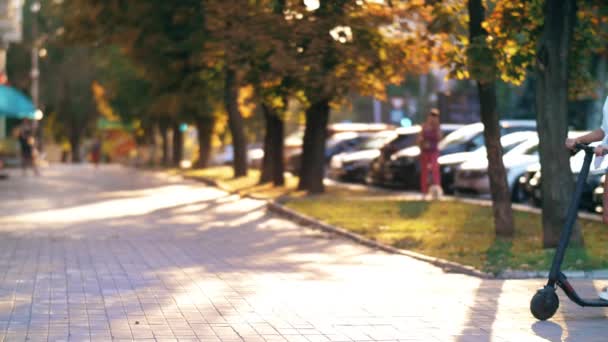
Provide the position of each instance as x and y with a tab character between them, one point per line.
245	100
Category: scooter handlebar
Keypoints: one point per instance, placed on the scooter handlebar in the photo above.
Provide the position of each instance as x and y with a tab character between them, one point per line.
585	147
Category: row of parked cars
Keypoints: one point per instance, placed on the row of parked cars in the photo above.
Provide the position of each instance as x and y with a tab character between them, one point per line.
379	154
391	158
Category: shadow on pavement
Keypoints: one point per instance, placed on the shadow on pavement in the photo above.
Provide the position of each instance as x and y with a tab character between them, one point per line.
175	266
483	312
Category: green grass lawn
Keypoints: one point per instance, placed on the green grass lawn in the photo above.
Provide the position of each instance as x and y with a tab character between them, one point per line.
249	185
455	231
244	185
451	230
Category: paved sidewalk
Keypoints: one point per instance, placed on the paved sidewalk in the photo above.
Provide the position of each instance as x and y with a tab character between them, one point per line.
119	254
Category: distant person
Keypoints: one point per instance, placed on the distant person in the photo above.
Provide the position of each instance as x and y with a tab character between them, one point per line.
96	151
428	141
27	144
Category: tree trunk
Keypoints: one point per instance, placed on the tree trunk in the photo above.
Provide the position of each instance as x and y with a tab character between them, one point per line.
499	188
178	145
164	134
594	118
235	124
552	117
273	167
313	151
204	127
75	147
266	167
150	144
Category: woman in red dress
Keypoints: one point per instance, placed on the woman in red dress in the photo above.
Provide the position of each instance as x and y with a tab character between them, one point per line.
428	141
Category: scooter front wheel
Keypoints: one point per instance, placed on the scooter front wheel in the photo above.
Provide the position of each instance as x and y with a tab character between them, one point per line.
544	304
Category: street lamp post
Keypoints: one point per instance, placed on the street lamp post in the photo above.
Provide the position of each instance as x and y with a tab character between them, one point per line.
3	48
35	72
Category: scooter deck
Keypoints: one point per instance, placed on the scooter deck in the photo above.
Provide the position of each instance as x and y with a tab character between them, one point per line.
571	293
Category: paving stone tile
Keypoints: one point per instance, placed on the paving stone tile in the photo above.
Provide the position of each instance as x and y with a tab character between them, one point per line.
131	255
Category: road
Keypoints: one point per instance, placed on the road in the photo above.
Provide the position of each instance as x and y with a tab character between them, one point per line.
115	253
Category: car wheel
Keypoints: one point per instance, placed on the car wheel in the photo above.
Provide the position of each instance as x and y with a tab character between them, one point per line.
456	192
518	195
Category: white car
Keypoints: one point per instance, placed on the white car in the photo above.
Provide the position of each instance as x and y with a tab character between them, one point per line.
472	176
225	156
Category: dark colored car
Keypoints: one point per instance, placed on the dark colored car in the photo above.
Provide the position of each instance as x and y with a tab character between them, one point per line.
354	165
527	185
405	137
379	172
598	196
403	169
338	143
3	175
591	198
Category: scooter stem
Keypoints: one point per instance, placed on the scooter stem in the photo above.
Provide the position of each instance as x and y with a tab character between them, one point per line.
570	217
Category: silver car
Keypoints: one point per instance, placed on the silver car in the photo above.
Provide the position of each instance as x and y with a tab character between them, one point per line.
472	176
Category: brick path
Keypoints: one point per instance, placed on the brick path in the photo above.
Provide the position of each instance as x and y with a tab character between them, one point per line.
118	254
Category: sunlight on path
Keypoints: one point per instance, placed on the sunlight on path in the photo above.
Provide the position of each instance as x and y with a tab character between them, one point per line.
136	256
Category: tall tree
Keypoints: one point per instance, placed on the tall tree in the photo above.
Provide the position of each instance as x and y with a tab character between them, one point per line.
271	77
235	122
71	102
482	65
232	41
342	46
552	115
556	40
165	40
507	45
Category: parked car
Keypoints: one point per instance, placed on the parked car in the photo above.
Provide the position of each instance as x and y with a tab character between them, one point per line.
337	143
354	165
447	129
591	198
3	175
598	195
527	184
403	168
405	164
380	173
225	155
357	127
405	137
472	176
337	134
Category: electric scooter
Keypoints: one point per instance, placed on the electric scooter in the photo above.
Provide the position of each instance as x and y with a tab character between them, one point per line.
545	302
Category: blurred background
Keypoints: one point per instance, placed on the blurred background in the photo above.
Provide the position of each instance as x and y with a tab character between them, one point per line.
318	89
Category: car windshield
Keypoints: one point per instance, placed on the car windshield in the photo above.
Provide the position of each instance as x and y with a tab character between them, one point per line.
460	136
340	137
403	141
506	147
377	141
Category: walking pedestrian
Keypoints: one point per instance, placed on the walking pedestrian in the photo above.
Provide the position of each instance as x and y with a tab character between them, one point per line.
96	151
27	144
428	141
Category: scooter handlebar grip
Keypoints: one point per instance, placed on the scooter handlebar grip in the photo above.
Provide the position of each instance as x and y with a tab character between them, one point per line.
584	147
